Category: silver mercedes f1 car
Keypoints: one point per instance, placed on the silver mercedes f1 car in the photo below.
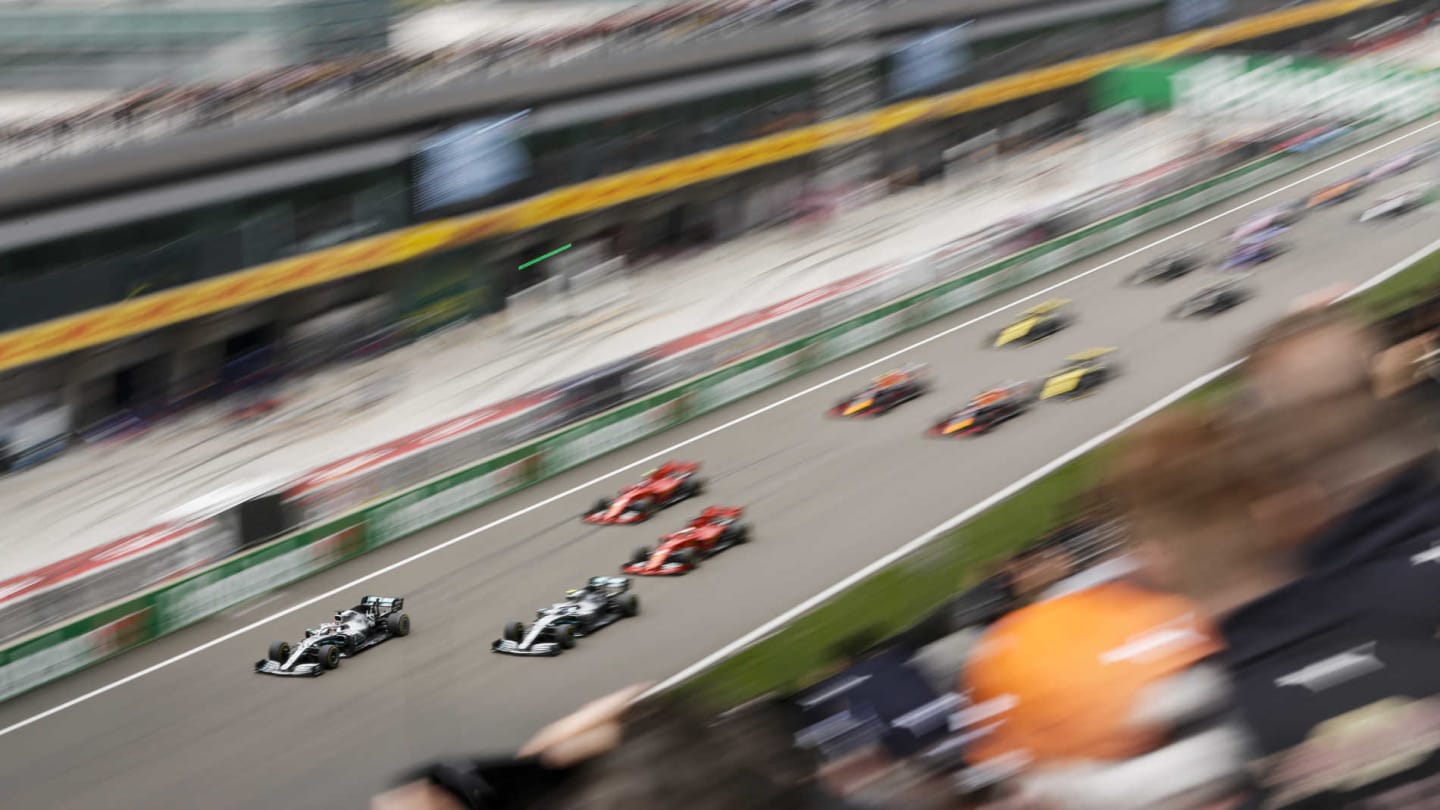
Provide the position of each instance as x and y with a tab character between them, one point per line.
375	620
602	602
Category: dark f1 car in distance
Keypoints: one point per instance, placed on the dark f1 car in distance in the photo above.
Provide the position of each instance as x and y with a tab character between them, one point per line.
717	529
1213	300
1035	324
1399	203
375	620
886	392
1257	249
1336	193
987	410
602	602
1281	216
1082	374
667	485
1169	267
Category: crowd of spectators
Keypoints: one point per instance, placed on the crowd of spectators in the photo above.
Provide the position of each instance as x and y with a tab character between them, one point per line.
167	109
1243	616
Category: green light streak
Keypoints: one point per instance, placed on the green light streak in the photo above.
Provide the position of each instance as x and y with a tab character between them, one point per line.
547	255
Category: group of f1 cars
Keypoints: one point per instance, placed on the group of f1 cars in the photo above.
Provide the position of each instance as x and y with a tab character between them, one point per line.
601	601
604	600
1081	374
1258	240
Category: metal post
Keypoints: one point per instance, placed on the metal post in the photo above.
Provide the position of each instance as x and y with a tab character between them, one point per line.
846	84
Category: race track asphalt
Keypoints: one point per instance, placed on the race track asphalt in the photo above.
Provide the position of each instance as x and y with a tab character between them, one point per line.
826	498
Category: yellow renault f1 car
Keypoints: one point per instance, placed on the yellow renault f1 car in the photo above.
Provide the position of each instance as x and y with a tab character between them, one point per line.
1081	375
1035	324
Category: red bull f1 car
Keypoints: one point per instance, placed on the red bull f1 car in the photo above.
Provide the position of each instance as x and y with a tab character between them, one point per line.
602	602
988	410
665	486
886	392
717	529
375	620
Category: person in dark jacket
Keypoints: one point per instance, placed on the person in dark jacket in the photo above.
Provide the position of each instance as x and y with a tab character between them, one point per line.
1307	522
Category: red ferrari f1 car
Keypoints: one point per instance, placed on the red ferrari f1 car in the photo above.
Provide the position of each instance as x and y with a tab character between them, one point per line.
717	529
667	485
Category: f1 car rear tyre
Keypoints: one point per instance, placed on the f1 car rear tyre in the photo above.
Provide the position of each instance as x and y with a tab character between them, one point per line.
329	656
399	624
514	631
279	651
565	637
629	604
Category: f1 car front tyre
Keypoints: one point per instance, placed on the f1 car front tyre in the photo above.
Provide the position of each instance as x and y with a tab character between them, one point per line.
687	557
279	651
641	555
629	605
565	637
514	631
329	656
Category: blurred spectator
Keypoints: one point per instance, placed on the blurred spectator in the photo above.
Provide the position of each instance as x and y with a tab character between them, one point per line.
617	754
1308	522
1095	700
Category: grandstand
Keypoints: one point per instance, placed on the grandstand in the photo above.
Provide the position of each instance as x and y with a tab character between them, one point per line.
254	70
123	250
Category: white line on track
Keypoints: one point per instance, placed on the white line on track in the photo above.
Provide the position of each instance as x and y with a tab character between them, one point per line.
190	653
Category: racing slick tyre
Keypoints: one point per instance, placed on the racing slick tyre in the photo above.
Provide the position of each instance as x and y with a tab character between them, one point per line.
279	651
739	533
600	506
514	631
641	555
398	624
686	557
565	637
629	605
644	507
328	656
691	488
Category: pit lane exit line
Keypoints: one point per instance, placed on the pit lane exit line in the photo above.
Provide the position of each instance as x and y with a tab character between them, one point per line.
769	626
